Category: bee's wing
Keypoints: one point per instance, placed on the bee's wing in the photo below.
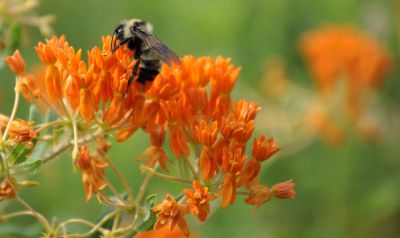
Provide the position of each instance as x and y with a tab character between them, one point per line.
158	49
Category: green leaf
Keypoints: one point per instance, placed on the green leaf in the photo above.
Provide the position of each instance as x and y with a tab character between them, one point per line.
19	154
28	167
147	218
35	115
38	151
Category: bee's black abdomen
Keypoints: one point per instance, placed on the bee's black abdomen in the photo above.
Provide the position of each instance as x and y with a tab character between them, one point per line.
149	69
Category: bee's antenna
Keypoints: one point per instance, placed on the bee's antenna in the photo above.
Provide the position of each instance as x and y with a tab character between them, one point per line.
121	42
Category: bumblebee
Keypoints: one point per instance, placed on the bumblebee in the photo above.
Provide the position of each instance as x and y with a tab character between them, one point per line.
149	51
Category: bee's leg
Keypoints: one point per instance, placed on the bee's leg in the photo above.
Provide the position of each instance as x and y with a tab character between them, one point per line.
134	71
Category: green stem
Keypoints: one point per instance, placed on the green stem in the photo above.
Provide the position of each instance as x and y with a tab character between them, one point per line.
13	114
44	126
97	227
15	214
152	172
122	178
46	225
189	163
66	144
115	193
75	150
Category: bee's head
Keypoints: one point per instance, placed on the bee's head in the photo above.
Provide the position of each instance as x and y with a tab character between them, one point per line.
118	33
125	30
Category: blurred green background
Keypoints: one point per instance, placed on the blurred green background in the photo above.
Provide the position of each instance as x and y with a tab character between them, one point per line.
351	190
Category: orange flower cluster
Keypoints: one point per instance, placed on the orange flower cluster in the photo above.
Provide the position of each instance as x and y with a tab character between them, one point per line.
332	51
188	102
343	53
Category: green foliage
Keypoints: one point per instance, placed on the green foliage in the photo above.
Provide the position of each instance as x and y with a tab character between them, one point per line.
147	216
18	154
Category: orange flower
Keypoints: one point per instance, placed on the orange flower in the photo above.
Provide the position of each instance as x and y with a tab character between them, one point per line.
208	163
264	149
225	76
20	131
156	153
250	172
27	86
7	189
284	190
16	63
232	164
228	190
93	171
162	233
199	200
206	135
245	111
260	194
171	213
25	82
46	53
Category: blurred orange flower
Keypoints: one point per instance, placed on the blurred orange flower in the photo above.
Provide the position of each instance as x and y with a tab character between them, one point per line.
284	190
164	232
336	54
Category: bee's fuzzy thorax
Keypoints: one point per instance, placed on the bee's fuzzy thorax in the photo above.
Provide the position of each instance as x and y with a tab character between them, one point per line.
139	24
149	27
